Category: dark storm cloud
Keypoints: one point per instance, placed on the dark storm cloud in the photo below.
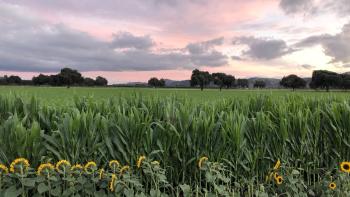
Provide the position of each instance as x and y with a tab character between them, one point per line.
336	46
263	49
29	44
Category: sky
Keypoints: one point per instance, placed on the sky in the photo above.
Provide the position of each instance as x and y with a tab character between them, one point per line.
131	41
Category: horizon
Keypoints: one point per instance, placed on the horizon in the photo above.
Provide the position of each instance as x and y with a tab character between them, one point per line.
135	40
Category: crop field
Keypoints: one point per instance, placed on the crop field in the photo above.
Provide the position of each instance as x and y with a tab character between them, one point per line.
173	142
66	96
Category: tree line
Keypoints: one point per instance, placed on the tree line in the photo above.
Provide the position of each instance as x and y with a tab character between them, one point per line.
321	79
204	78
66	77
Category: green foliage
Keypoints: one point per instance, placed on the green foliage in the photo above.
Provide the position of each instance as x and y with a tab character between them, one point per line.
293	81
200	78
243	137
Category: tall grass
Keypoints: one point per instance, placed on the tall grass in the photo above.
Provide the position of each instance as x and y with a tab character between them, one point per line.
248	135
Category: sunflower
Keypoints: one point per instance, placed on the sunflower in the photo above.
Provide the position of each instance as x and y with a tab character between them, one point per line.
4	169
114	164
345	166
201	160
279	180
156	163
140	160
64	164
275	175
46	167
332	186
112	183
76	167
90	167
101	173
277	165
123	169
24	163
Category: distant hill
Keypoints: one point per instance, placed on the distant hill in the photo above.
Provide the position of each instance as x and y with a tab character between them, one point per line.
270	82
174	83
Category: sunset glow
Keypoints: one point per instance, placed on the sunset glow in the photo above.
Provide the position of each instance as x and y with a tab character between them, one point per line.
131	41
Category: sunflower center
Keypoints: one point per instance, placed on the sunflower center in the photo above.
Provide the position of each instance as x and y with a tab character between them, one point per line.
346	167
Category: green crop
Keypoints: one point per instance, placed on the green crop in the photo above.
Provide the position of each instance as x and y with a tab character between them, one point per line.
246	136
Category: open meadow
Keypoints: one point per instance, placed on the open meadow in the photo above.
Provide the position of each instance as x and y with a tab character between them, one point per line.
173	142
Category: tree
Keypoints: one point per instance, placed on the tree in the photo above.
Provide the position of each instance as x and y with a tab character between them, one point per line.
229	81
243	83
259	84
345	81
155	82
161	82
41	80
89	82
101	81
200	78
325	79
13	80
293	81
218	79
70	77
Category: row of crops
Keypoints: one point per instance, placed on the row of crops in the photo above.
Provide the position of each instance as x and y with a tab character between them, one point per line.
169	146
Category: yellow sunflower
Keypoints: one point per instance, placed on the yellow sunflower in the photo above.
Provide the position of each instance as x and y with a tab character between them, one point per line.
279	180
45	166
90	167
345	166
140	160
112	183
4	169
123	169
156	163
332	186
22	162
201	161
101	173
77	167
277	165
114	164
64	164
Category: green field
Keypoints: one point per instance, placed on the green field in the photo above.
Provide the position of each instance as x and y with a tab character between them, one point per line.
173	142
63	95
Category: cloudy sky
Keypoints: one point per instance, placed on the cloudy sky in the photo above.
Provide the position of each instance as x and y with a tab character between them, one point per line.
136	39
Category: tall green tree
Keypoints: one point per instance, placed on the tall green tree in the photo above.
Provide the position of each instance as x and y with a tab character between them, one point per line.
229	81
155	82
101	81
218	79
200	78
325	79
70	77
293	81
